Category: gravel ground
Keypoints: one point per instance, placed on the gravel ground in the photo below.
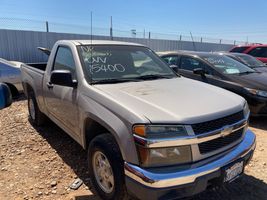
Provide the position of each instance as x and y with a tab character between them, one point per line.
41	163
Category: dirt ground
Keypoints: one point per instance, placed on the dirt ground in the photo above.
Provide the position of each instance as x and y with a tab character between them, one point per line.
41	163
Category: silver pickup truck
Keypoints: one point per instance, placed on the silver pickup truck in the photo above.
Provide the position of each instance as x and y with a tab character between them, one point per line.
149	132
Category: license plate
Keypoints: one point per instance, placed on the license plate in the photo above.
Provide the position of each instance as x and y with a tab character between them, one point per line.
233	171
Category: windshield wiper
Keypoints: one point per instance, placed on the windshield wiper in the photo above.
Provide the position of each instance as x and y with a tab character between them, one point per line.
154	76
247	72
134	79
113	80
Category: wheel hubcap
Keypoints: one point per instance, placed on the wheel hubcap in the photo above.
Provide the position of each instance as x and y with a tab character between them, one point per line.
31	109
103	172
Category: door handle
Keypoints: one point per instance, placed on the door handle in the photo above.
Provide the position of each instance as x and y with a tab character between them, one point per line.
49	85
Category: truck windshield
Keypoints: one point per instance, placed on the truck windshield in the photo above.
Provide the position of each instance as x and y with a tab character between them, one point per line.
227	65
118	63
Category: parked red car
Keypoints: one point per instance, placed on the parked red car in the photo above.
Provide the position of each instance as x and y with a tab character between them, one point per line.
259	51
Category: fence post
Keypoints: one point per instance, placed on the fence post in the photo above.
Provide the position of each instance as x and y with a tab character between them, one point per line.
180	42
149	34
144	35
220	41
201	39
111	30
234	42
47	27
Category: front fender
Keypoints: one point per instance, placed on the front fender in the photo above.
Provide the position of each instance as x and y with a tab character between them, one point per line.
115	125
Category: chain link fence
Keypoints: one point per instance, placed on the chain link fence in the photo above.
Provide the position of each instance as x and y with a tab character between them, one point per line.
46	26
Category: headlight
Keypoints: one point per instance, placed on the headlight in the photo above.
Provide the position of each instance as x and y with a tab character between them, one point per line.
260	93
246	109
152	157
159	131
164	156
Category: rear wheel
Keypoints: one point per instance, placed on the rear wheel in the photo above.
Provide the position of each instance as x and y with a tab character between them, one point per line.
36	116
106	168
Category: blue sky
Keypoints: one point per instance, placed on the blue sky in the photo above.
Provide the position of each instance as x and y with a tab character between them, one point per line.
228	19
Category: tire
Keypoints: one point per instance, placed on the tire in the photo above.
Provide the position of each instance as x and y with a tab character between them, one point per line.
36	116
104	146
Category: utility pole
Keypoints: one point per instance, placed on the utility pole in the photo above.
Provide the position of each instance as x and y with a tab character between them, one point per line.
47	27
111	29
180	42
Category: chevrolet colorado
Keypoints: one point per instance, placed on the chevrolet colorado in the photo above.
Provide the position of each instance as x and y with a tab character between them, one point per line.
149	132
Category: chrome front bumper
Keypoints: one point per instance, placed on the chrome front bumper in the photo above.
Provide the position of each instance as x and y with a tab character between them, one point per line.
163	179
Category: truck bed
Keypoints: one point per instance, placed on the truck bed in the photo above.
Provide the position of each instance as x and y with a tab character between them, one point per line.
40	66
32	75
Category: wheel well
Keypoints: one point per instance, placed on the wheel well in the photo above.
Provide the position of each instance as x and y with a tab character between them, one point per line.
92	129
13	90
28	89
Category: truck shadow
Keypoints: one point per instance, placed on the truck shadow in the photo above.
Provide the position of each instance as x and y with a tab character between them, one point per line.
70	152
20	97
258	122
245	188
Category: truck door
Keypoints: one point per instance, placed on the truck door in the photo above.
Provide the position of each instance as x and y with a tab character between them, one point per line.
61	101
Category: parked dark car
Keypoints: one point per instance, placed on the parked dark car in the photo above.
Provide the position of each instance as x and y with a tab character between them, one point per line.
257	50
225	72
248	60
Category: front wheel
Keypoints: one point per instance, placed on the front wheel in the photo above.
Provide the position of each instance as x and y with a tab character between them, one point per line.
106	168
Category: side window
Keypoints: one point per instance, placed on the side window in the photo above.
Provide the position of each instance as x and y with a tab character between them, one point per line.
171	60
190	64
259	52
207	68
64	61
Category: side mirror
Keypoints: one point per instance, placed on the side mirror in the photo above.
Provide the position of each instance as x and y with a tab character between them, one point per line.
174	68
199	71
63	78
5	96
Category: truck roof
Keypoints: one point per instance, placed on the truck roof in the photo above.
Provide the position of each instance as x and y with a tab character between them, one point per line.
190	53
100	42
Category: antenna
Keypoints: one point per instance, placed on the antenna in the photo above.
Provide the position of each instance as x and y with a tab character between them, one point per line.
194	45
91	27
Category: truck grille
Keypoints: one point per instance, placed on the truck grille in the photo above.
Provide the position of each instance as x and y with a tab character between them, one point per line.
212	145
208	126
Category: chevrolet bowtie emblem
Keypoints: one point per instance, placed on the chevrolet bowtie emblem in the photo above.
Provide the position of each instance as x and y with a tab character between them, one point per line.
226	131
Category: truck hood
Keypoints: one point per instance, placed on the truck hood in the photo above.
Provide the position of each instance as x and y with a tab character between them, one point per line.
177	100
